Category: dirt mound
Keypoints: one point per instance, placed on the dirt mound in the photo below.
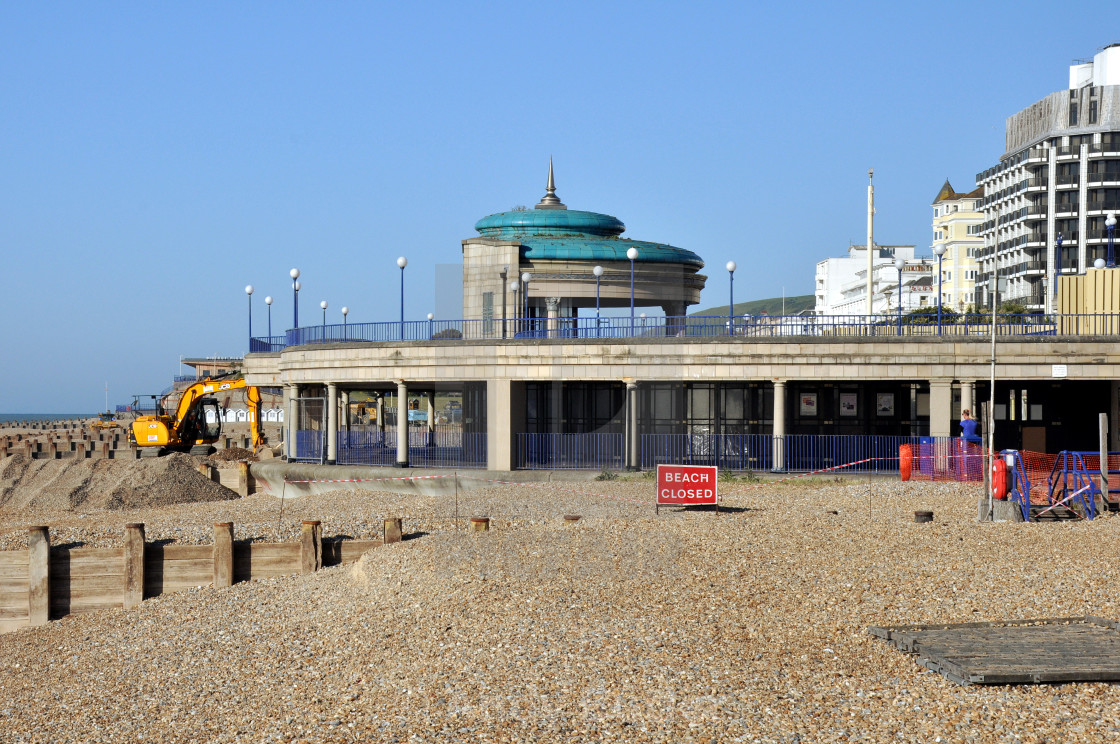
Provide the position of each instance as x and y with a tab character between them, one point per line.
234	454
104	484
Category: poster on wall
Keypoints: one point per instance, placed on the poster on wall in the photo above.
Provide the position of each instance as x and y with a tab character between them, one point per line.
848	403
808	404
884	404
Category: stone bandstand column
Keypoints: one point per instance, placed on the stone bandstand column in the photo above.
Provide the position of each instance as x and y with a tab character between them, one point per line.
940	407
631	438
552	305
968	397
332	423
291	393
779	451
402	424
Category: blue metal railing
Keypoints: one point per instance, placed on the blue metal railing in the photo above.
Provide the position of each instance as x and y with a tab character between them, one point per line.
594	451
746	327
730	451
740	452
1020	483
1071	482
446	447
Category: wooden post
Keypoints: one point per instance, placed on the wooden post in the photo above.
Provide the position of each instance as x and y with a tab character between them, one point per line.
246	485
28	449
104	449
80	450
38	574
223	554
311	546
133	564
480	524
392	530
52	450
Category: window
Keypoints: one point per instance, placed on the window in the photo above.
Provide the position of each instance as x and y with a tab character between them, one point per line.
1092	110
1072	110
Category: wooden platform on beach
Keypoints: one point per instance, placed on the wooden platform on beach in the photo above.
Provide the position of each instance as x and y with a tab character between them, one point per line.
1014	652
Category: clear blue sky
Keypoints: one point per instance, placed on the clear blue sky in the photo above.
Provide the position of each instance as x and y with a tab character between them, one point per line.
157	157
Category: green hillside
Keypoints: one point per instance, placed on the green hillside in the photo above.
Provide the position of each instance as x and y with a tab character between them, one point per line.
772	306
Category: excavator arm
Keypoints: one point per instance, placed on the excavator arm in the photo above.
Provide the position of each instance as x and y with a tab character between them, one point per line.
187	426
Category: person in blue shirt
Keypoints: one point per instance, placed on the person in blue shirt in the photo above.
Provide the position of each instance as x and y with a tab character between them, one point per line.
968	428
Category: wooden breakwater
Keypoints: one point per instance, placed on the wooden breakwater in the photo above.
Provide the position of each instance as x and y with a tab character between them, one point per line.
46	582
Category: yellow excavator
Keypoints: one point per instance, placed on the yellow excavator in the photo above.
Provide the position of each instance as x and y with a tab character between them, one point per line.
196	421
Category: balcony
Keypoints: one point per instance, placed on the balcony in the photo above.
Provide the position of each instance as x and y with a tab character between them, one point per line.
1065	180
1102	207
1038	183
1038	155
1104	179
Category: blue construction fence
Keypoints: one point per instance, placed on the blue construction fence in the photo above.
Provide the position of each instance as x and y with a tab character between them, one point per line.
739	452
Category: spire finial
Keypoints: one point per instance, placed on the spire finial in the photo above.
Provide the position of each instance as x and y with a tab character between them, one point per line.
550	200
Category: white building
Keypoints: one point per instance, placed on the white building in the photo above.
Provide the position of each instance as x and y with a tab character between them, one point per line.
841	283
1058	178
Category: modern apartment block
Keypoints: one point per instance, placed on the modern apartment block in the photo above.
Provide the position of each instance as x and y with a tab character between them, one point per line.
1055	184
956	227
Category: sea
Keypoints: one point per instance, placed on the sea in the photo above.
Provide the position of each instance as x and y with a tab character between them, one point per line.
44	416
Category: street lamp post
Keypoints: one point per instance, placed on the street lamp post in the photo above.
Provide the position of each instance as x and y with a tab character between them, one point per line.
503	273
525	298
402	262
940	251
514	285
430	316
268	301
323	305
249	291
632	254
598	272
1110	224
345	312
731	298
899	263
294	274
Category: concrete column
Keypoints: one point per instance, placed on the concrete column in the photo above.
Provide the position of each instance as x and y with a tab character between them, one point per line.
552	306
940	408
431	418
332	423
38	573
634	457
505	418
402	424
344	403
968	398
779	451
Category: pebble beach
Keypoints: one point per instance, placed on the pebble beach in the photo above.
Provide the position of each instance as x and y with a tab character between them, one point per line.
745	626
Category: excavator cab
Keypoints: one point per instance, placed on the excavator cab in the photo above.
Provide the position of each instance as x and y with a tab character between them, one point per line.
203	424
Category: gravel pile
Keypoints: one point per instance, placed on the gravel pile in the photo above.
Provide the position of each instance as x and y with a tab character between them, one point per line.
39	486
746	626
233	454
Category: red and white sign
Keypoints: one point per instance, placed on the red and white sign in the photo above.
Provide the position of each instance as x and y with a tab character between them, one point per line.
687	484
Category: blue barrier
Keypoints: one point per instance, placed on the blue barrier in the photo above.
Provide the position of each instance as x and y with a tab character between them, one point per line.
746	328
446	447
745	452
594	451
